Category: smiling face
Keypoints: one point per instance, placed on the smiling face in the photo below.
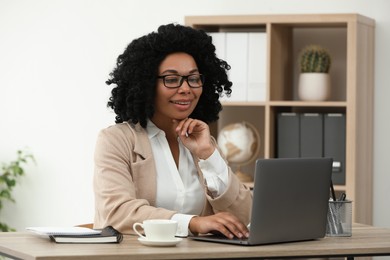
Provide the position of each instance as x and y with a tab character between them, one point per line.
175	103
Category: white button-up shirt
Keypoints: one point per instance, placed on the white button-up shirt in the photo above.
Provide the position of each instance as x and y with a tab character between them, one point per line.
179	189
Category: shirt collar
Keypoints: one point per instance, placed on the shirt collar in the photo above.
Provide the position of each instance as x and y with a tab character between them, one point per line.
153	130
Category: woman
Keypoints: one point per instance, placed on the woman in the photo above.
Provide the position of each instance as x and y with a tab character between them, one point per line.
159	159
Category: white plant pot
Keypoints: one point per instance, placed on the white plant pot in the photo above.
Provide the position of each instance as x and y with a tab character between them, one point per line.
314	86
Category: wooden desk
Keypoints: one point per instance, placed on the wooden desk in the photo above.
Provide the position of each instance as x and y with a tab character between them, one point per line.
365	241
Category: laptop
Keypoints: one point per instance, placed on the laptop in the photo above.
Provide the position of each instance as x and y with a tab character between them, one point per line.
290	202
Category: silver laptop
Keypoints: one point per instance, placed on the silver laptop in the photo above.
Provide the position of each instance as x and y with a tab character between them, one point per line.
290	201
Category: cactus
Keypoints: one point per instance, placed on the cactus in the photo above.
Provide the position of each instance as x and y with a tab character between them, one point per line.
314	58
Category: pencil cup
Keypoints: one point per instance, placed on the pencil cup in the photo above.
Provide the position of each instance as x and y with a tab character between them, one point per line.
339	219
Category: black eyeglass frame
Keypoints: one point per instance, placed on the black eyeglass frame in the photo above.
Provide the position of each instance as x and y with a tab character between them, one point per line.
182	78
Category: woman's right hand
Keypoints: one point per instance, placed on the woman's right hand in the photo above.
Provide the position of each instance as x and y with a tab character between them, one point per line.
223	222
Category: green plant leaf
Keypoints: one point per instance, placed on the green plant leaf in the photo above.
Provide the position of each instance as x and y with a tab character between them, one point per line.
9	176
6	194
5	228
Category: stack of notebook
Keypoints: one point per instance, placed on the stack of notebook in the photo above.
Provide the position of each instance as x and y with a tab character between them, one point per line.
79	234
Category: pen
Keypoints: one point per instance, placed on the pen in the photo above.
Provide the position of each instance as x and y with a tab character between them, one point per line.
332	190
342	197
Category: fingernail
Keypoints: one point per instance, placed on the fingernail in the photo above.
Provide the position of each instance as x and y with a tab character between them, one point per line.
247	234
240	235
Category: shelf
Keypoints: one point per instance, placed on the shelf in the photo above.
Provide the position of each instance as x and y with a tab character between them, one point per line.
340	104
244	104
339	187
350	40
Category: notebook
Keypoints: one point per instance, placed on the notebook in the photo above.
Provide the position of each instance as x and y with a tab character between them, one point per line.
106	235
290	201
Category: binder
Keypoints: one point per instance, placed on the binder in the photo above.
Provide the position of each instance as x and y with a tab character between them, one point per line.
288	135
219	41
246	53
257	66
334	144
237	57
311	135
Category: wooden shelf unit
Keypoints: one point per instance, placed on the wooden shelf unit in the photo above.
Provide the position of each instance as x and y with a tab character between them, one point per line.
350	39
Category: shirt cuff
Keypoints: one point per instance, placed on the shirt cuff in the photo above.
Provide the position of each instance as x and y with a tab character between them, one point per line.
216	173
183	221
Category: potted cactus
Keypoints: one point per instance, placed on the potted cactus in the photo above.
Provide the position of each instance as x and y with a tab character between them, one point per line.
314	80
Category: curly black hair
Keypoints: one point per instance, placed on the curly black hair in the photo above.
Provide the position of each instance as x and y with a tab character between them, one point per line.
135	74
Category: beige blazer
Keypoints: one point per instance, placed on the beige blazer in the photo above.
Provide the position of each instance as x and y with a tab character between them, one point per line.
125	182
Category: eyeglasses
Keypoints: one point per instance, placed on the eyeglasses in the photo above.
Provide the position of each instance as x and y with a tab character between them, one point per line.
175	81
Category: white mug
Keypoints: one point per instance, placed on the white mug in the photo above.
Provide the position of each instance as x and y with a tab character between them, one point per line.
157	229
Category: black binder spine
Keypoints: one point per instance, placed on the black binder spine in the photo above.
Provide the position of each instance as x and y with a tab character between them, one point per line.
311	135
288	135
334	144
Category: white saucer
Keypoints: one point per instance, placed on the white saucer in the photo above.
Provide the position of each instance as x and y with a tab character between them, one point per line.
147	242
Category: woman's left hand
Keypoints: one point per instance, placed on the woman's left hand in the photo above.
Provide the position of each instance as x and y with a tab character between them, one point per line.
195	135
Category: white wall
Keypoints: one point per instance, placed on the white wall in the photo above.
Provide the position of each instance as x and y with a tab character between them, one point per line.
55	56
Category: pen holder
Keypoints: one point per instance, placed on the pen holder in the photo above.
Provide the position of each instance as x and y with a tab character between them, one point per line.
339	222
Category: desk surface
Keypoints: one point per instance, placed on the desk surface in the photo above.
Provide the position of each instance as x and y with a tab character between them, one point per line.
365	241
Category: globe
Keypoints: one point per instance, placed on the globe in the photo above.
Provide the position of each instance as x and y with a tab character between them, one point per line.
240	144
